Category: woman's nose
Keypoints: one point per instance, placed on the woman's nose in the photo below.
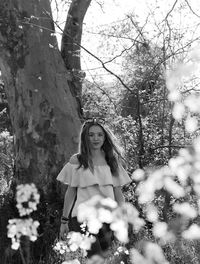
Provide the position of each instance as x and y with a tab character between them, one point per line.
95	137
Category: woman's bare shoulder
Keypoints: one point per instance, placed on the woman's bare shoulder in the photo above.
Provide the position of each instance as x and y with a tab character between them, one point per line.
74	159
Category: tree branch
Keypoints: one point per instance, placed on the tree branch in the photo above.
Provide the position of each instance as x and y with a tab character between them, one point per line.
191	9
171	10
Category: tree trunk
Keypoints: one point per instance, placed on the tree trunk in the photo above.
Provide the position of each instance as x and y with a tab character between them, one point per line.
70	46
43	111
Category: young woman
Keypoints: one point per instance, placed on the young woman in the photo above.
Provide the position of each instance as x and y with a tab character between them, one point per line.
95	170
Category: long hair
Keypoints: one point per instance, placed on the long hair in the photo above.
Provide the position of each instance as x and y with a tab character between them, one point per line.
110	147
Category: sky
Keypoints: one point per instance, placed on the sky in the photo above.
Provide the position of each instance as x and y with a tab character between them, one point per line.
108	12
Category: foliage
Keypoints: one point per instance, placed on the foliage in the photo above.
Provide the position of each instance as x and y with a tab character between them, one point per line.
6	163
4	111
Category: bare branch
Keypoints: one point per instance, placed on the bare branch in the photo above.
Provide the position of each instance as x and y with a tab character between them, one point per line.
191	9
171	10
93	55
113	36
138	29
119	55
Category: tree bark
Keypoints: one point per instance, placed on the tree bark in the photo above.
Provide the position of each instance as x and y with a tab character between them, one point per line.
45	115
70	46
43	112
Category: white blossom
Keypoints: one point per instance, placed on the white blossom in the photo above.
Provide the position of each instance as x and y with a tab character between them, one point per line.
61	247
160	229
146	193
174	188
185	209
120	229
138	175
136	257
27	198
94	225
174	95
191	124
77	240
178	111
22	227
5	134
105	215
154	253
85	212
152	213
108	202
193	103
193	232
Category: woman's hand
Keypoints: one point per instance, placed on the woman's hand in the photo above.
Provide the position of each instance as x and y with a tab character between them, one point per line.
64	230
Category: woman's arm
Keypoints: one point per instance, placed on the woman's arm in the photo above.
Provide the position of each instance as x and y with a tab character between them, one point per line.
70	196
119	197
68	203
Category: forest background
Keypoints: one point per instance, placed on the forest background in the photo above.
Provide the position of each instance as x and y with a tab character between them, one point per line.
139	74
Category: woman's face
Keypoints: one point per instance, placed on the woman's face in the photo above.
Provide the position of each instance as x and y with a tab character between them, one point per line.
96	137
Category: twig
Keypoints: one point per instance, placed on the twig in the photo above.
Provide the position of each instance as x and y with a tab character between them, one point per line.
94	56
191	9
170	10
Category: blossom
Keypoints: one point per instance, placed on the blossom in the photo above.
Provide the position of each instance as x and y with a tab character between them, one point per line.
154	253
61	247
138	175
77	240
146	193
174	188
99	210
174	95
137	258
94	225
22	227
193	103
152	213
27	198
131	215
108	202
191	124
193	232
85	211
120	229
185	209
178	111
105	215
5	134
160	229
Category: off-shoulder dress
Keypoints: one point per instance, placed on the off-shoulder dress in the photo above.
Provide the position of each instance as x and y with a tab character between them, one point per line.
88	183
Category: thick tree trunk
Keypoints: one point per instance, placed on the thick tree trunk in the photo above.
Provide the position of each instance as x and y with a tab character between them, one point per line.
70	47
43	111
